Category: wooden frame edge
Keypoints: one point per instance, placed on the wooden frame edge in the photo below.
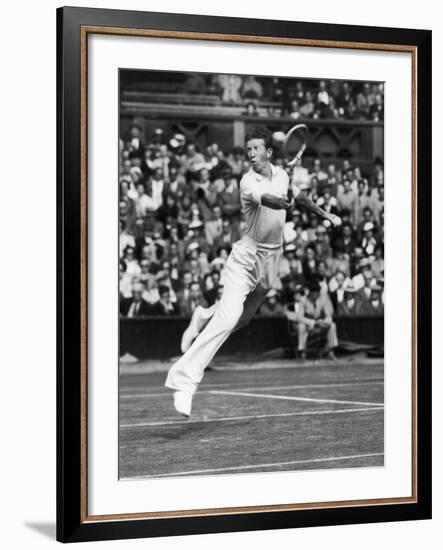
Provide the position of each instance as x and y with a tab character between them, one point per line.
85	30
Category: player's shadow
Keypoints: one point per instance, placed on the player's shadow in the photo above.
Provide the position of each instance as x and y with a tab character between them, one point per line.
45	529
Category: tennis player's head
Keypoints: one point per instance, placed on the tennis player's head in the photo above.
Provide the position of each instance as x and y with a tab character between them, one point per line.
259	147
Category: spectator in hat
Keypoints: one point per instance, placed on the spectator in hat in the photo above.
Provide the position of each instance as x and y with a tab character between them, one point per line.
374	306
271	307
351	305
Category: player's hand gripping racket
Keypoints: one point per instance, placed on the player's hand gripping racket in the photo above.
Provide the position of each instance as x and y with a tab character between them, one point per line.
294	145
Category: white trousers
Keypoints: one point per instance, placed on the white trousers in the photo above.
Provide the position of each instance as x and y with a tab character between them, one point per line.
249	273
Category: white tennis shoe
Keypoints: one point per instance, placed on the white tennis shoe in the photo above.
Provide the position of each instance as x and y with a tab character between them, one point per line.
183	402
193	329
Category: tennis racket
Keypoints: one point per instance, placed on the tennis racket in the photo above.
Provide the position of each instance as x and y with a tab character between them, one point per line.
295	143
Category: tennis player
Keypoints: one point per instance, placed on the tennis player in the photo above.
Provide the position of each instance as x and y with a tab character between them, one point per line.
250	269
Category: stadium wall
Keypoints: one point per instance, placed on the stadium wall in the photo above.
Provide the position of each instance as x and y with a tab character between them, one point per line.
159	337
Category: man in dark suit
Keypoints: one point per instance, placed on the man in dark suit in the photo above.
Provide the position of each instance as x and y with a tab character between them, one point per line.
164	306
193	300
135	306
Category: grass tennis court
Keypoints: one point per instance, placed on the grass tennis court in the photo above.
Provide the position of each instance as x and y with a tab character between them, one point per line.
249	417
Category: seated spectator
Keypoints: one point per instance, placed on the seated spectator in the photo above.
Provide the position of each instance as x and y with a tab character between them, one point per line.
317	171
308	107
351	305
300	175
313	317
132	267
126	239
378	264
251	109
374	306
363	202
323	250
294	112
369	242
165	305
135	306
364	276
193	161
214	225
347	199
327	201
230	85
229	235
194	300
195	83
337	288
340	263
346	242
125	284
252	89
309	264
271	307
229	197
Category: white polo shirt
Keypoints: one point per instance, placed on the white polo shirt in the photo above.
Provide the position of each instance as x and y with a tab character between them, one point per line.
264	225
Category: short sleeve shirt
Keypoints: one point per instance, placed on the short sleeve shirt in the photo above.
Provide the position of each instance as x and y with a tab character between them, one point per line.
264	225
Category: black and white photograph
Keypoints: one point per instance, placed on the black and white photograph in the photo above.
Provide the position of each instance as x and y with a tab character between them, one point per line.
251	274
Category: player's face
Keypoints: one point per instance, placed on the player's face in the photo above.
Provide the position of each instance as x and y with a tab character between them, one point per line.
257	153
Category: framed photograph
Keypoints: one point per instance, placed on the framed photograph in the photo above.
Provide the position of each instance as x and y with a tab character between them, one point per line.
241	344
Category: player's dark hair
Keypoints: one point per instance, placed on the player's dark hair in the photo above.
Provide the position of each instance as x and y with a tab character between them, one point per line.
260	133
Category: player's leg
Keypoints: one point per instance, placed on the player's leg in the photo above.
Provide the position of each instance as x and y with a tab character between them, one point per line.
268	264
200	318
239	279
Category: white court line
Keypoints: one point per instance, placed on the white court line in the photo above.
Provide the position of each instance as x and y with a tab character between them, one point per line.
255	466
248	417
291	398
259	388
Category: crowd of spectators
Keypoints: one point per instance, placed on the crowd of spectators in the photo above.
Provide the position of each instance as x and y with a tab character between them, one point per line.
180	214
315	99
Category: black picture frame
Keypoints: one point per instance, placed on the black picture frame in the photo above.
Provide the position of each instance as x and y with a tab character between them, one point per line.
72	524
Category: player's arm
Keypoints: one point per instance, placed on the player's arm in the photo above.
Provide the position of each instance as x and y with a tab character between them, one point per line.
303	200
275	202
